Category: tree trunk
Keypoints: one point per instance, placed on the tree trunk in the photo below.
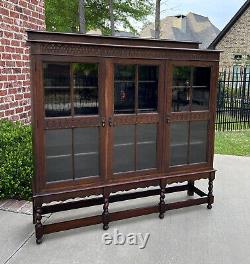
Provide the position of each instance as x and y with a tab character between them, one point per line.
112	20
82	21
157	18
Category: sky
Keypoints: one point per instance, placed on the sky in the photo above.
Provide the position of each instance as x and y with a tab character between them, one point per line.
218	11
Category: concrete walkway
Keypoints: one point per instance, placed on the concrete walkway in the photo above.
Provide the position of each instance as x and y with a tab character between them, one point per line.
190	235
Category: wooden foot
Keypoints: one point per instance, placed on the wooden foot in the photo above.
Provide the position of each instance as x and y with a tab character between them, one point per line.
209	206
210	193
162	200
105	214
39	226
190	191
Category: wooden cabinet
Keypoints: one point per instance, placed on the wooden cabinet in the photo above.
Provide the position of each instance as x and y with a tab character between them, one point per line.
115	114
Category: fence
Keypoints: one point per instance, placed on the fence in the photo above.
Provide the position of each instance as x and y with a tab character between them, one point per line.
233	99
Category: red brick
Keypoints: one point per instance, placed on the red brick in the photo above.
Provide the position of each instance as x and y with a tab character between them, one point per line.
16	17
9	49
13	104
8	34
9	112
4	106
4	12
14	14
15	43
19	110
18	96
3	93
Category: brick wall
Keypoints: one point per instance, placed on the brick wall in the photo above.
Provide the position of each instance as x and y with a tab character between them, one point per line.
236	42
16	16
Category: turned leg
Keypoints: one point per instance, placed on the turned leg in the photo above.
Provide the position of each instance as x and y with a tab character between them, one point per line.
210	193
39	226
162	200
105	214
190	191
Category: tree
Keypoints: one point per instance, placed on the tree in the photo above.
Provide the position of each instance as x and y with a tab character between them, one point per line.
112	20
62	15
157	18
82	22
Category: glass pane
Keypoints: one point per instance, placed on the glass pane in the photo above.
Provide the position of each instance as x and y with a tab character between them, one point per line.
146	146
181	89
179	143
86	165
85	89
124	148
86	152
124	90
57	90
59	168
200	89
198	141
58	150
58	142
147	88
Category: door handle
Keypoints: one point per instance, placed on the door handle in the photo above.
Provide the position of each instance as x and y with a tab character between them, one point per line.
110	122
103	122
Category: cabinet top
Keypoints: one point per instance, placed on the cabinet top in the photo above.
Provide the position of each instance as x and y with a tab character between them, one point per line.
41	36
75	45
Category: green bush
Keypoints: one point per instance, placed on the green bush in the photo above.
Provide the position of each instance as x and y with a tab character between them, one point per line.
16	164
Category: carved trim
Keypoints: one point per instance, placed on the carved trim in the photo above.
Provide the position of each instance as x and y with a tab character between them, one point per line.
136	119
190	116
70	122
128	52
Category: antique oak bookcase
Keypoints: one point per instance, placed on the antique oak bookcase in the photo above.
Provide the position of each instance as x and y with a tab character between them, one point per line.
119	114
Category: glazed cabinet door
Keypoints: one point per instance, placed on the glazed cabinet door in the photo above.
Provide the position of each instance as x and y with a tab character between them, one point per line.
190	116
135	114
74	122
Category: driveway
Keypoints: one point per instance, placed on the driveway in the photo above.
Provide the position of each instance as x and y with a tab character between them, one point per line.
189	235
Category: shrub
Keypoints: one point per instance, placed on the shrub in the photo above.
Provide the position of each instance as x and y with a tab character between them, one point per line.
16	162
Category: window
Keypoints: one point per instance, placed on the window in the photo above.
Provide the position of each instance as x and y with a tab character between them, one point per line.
238	57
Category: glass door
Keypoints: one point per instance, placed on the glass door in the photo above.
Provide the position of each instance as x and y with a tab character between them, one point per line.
188	115
74	121
135	117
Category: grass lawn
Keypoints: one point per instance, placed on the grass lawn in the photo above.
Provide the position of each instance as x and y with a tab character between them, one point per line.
233	143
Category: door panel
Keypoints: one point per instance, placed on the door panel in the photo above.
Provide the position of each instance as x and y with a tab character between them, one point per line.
75	121
135	117
187	123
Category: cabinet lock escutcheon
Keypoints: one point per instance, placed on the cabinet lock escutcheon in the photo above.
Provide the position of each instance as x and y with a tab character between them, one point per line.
168	118
110	122
103	122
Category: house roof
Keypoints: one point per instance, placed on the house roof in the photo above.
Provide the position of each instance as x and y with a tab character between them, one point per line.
192	27
230	24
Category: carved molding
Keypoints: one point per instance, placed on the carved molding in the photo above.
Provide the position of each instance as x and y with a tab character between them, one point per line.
124	52
190	116
70	123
